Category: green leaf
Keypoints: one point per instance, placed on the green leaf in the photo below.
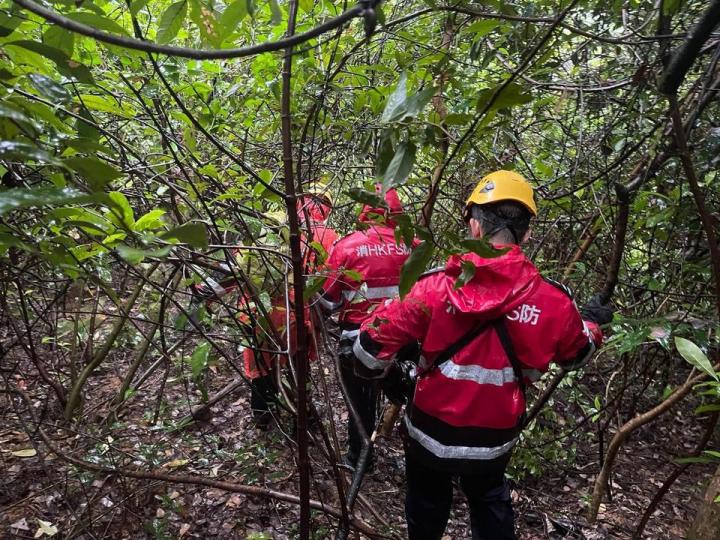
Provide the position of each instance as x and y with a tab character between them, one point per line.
385	154
135	256
61	39
65	65
414	266
396	106
483	27
399	168
199	359
151	220
14	199
416	103
22	151
276	13
97	21
50	89
468	271
194	234
96	172
137	5
15	115
354	275
233	14
510	96
320	250
9	21
482	247
366	197
171	21
121	213
313	285
694	355
99	103
204	19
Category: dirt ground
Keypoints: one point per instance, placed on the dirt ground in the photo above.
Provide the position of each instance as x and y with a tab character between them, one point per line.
41	494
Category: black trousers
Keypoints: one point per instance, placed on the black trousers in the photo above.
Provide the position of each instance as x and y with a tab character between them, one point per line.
363	394
263	393
429	498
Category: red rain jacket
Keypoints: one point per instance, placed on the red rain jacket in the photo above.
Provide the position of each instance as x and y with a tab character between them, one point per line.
469	410
316	212
374	257
256	365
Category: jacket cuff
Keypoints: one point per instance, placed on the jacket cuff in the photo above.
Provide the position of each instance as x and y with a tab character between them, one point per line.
375	366
581	359
327	304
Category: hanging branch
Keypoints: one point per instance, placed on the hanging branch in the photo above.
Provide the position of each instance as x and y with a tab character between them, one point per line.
186	52
684	57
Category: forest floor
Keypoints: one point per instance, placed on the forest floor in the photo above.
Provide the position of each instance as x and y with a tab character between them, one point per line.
227	446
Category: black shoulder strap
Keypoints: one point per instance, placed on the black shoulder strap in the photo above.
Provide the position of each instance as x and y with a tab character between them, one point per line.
507	344
464	340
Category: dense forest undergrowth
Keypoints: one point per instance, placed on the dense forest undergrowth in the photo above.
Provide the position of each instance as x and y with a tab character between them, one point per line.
151	148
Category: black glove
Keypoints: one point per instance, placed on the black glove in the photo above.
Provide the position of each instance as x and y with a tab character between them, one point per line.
399	383
596	311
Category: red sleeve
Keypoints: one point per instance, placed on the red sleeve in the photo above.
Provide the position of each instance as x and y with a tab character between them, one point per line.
582	339
392	327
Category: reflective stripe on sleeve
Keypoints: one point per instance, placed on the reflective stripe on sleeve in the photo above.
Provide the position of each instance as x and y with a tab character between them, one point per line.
350	334
368	360
457	452
329	304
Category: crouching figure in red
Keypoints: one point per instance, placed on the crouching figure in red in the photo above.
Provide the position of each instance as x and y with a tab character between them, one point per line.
262	365
480	344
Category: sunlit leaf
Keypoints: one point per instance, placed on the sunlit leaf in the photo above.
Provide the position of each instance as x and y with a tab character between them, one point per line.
695	356
23	151
415	265
199	359
396	106
65	65
171	21
50	89
97	173
400	166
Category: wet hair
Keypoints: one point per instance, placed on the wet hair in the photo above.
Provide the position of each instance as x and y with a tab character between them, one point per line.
508	221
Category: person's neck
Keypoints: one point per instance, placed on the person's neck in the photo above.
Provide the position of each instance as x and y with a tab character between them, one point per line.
500	239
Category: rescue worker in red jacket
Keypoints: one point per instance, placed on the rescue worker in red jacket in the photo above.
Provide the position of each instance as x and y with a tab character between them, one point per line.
468	406
364	272
262	369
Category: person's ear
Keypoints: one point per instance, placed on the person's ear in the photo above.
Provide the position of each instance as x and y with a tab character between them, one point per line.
475	228
526	236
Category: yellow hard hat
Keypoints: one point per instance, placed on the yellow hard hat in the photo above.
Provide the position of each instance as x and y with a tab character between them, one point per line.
503	186
320	192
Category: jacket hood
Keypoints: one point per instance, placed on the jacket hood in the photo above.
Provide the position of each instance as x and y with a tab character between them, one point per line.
316	209
370	213
498	286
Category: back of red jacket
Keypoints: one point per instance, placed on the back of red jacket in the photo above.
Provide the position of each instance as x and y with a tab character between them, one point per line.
468	409
364	271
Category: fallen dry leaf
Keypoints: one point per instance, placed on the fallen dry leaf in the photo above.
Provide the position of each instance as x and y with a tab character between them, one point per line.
175	463
45	529
26	452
